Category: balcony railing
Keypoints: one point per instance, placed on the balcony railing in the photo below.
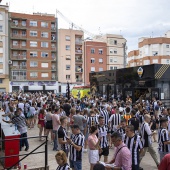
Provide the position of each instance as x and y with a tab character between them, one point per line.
79	60
18	67
19	25
79	70
53	28
79	51
53	77
79	80
53	48
18	57
78	42
23	36
19	46
53	68
19	77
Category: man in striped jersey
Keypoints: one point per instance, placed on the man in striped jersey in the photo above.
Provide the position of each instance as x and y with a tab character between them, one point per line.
163	138
103	131
92	120
146	133
133	142
76	143
105	114
114	121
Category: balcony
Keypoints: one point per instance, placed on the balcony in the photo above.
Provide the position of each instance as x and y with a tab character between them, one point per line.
53	48
18	57
53	38
53	29
79	60
18	67
78	42
18	26
19	77
79	70
79	80
53	77
18	36
53	68
78	51
19	47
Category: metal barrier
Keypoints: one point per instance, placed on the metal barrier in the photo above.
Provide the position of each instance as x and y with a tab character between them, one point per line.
31	153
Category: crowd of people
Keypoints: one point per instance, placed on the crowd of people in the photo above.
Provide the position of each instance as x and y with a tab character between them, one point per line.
93	125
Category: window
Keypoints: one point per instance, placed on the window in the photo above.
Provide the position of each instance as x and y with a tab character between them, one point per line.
92	50
100	69
68	57
23	43
1	50
23	23
67	47
100	51
33	43
33	23
1	17
15	22
1	60
45	65
154	53
33	33
67	77
44	54
115	51
92	69
1	81
1	71
115	59
115	68
67	38
15	63
111	67
111	60
67	67
167	61
33	63
167	46
23	33
14	32
155	61
92	60
33	54
115	42
44	34
44	24
15	53
44	44
15	43
168	53
100	60
33	74
111	51
44	74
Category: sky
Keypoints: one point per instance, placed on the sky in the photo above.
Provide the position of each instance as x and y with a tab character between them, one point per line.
130	18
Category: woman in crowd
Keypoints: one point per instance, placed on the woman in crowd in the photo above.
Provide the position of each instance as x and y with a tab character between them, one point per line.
41	123
93	143
61	160
30	115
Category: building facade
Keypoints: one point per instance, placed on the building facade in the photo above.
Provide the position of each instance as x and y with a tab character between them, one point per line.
70	58
4	69
95	58
116	51
151	51
32	51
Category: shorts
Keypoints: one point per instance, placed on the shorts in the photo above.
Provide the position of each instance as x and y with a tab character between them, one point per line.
93	156
49	124
105	151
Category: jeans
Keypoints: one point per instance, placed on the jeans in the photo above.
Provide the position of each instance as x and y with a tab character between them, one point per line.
55	140
162	154
24	141
76	165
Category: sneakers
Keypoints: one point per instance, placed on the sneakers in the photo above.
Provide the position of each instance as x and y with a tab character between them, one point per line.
27	148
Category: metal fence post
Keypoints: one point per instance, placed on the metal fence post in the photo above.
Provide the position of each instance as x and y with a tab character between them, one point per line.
46	152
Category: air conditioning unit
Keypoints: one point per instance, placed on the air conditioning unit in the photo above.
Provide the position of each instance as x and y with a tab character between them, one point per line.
9	62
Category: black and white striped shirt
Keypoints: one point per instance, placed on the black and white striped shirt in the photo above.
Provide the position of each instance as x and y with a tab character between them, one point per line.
145	133
92	121
105	114
134	144
121	131
163	137
78	140
64	167
78	107
102	132
114	120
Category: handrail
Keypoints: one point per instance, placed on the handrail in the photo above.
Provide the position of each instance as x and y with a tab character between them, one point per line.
30	153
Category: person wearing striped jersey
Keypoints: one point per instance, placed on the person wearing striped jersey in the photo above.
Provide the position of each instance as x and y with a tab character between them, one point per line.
133	142
103	134
146	133
105	114
76	144
61	160
163	138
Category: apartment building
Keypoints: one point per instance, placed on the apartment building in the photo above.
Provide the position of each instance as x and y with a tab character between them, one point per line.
32	51
4	70
116	50
95	58
70	58
151	51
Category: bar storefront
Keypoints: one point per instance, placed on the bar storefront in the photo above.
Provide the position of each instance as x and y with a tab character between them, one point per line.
138	82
